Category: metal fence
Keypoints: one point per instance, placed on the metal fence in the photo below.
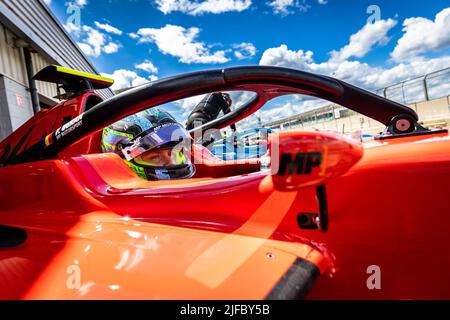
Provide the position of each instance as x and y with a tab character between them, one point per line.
428	87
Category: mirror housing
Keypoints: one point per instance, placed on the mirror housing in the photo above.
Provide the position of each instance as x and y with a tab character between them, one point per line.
306	159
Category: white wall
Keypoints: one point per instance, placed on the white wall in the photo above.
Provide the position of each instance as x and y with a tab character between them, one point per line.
15	106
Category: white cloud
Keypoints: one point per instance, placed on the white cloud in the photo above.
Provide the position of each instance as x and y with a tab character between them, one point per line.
296	105
354	72
285	7
322	1
76	3
201	7
147	66
282	56
87	49
108	28
281	6
290	108
80	3
423	35
181	43
72	28
92	41
244	50
187	105
133	35
48	2
111	47
365	39
124	79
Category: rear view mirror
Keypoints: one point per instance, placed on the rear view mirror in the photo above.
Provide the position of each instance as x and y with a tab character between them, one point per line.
306	159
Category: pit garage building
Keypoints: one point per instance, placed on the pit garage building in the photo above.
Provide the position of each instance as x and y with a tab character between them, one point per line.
31	38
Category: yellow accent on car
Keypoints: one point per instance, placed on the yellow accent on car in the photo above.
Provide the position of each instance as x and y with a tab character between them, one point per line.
84	74
47	140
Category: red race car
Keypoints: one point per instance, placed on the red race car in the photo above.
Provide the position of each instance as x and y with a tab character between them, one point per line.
330	219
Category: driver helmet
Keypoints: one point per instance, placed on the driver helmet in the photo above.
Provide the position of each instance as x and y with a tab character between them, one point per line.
152	143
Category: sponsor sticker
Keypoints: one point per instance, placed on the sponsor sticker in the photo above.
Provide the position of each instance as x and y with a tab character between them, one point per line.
69	127
299	163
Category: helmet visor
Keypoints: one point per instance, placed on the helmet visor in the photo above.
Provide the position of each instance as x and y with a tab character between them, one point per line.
158	137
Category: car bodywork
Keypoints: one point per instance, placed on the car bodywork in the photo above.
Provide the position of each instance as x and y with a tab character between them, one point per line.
79	224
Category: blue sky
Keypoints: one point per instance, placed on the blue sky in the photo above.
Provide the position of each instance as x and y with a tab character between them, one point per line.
140	40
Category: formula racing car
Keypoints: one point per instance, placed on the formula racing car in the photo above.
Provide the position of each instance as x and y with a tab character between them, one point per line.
329	218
